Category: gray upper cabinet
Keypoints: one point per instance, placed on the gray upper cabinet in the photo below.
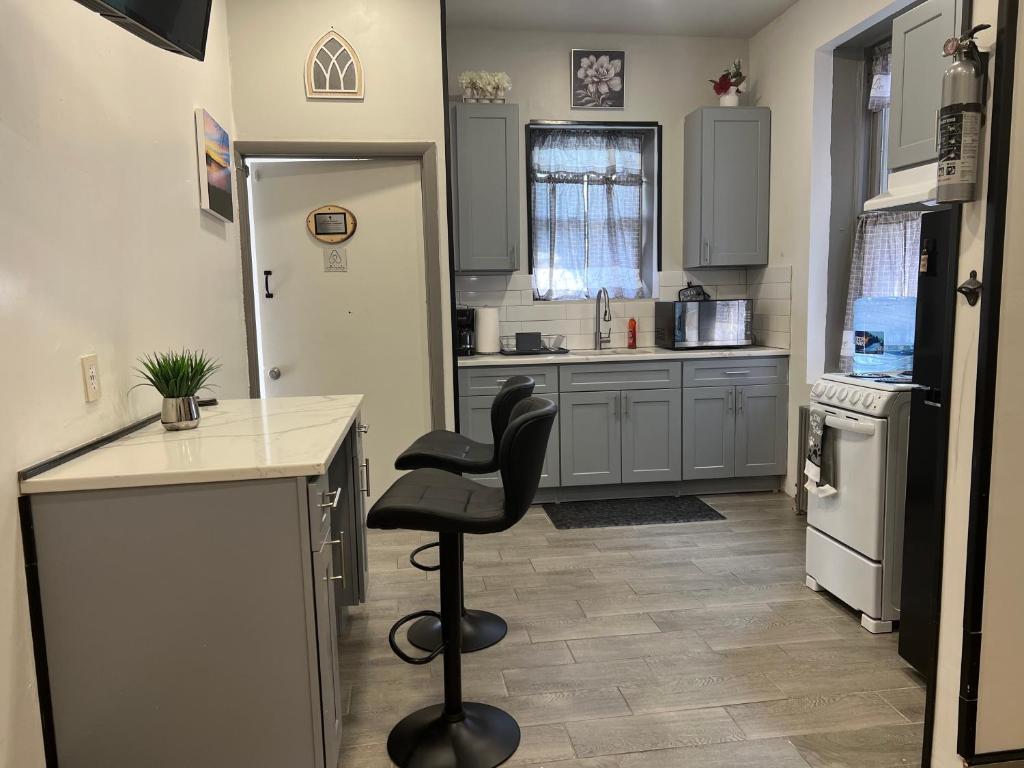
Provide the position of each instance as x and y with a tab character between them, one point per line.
591	438
917	68
651	435
761	430
709	433
485	180
726	186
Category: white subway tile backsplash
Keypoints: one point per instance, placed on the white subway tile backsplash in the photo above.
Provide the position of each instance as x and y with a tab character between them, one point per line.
771	306
538	311
728	292
770	290
769	287
774	274
771	323
715	276
772	339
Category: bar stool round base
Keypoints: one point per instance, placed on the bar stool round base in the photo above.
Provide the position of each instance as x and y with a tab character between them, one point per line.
485	738
480	629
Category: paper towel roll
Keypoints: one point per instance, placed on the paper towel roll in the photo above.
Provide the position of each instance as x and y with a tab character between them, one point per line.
487	341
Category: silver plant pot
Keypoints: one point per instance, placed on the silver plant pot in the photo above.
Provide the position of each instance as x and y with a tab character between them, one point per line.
180	413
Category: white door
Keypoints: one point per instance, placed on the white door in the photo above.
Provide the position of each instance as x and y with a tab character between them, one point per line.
855	515
362	331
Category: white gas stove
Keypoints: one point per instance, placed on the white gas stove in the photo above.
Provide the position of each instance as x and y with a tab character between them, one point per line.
855	537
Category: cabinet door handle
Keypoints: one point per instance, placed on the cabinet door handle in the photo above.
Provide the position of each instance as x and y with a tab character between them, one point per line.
739	400
335	578
366	467
736	373
729	401
363	429
707	251
334	497
625	403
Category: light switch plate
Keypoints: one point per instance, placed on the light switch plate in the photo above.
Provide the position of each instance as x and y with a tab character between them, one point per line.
335	259
91	377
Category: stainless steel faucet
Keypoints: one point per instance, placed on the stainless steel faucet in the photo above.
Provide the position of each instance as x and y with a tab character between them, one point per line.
600	339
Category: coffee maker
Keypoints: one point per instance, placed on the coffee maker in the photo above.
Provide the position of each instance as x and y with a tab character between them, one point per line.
465	331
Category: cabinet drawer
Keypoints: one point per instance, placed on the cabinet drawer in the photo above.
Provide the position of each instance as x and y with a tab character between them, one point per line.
488	381
741	370
320	494
598	377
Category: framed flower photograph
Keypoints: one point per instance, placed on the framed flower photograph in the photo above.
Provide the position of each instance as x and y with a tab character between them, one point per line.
598	79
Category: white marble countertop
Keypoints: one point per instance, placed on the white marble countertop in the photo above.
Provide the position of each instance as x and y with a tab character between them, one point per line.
620	356
235	440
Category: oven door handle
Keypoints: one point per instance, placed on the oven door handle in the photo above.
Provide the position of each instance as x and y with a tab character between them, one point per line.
849	425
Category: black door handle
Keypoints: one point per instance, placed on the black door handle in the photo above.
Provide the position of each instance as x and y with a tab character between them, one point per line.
266	284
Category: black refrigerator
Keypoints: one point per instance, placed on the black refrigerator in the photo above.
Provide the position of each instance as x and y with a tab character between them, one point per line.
929	441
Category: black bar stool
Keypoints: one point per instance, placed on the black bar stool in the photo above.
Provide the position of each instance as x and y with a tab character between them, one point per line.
455	453
459	734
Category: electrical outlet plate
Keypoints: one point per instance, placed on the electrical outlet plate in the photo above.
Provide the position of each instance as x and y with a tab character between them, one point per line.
91	377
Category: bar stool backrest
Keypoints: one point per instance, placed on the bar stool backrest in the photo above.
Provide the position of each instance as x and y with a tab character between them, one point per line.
521	456
513	391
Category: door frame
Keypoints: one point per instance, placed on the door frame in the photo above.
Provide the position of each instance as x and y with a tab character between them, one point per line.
985	409
426	153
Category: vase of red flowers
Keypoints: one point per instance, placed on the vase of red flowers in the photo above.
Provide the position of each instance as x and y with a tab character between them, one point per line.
727	86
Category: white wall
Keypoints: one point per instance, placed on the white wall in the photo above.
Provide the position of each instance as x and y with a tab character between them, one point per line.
104	250
663	84
791	72
399	43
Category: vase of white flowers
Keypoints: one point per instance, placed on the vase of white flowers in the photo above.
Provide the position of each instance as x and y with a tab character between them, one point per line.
484	87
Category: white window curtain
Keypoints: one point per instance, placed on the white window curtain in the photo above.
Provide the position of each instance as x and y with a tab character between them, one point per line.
886	253
586	213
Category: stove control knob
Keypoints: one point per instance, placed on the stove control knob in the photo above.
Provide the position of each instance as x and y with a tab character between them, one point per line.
854	397
831	391
843	394
869	398
817	389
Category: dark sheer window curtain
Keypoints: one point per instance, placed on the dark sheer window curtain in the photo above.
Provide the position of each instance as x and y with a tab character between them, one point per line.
586	213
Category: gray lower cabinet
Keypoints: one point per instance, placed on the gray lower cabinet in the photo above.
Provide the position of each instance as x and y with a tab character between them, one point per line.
475	423
726	186
591	438
651	435
621	437
761	434
196	624
485	181
709	433
917	69
734	431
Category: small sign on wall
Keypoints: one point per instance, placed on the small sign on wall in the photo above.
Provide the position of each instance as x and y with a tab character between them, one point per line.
335	260
331	224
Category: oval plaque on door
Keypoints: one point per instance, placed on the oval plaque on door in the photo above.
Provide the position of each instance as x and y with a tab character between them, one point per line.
331	224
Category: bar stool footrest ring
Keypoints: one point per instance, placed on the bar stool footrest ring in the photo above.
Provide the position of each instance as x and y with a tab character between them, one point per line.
402	654
416	564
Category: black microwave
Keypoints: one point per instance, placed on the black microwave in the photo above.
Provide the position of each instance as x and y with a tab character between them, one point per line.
694	324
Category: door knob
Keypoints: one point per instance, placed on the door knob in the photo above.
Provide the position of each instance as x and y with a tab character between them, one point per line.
274	373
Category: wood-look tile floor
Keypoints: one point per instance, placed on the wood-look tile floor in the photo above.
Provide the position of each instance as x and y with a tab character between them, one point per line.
664	646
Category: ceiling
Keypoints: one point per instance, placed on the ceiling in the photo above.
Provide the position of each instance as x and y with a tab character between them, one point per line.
698	18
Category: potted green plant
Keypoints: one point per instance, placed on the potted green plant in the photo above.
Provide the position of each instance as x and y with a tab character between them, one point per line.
178	377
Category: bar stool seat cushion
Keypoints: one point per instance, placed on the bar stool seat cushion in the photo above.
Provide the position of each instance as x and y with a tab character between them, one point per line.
435	500
449	451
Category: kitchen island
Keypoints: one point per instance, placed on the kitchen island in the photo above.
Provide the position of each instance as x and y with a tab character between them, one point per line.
647	422
185	587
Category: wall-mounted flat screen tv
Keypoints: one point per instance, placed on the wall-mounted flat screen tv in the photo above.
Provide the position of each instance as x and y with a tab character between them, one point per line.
174	25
